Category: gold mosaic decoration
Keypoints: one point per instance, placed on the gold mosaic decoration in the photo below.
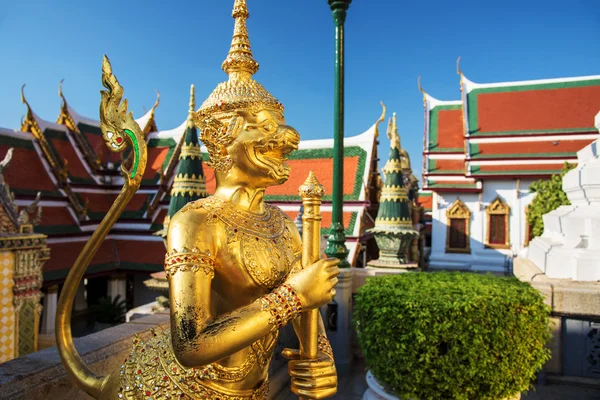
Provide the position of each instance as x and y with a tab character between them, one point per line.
7	311
264	234
152	372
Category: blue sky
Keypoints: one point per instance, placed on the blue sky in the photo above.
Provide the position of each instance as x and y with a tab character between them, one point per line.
389	43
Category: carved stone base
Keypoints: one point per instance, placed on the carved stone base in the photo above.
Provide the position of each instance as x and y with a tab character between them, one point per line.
404	267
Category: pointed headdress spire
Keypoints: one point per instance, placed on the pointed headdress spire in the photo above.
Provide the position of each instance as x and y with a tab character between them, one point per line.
240	92
240	63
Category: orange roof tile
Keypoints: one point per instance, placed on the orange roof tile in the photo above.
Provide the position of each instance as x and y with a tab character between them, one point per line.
551	148
536	108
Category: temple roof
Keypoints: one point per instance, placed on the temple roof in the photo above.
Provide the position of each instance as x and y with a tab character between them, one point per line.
507	129
547	106
68	163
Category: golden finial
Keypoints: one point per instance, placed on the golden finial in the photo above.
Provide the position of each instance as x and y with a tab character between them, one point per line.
381	119
23	100
458	71
240	64
311	188
393	133
60	92
29	123
192	98
422	91
157	102
190	121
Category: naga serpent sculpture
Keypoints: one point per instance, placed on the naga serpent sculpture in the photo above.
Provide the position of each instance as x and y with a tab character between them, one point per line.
238	270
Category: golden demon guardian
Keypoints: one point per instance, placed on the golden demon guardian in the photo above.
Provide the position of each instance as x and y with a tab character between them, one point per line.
234	263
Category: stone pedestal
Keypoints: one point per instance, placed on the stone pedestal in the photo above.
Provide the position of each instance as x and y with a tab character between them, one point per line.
570	302
570	245
341	338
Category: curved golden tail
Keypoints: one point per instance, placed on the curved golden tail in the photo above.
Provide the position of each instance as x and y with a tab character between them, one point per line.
119	130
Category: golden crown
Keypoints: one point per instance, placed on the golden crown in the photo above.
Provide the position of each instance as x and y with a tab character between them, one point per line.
240	92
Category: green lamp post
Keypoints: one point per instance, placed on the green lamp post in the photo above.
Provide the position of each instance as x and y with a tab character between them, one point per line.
336	243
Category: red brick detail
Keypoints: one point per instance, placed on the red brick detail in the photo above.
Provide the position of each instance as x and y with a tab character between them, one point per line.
542	148
457	182
520	167
111	251
448	165
101	202
53	216
66	151
156	158
211	181
326	222
425	201
26	170
323	169
64	255
450	132
141	251
568	108
160	217
99	146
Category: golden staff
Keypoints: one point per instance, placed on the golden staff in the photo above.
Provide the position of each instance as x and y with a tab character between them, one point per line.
311	192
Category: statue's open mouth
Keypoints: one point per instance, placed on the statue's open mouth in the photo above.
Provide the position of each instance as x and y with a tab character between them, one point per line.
272	153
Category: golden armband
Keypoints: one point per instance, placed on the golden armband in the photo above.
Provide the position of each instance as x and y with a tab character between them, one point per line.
284	305
324	346
189	260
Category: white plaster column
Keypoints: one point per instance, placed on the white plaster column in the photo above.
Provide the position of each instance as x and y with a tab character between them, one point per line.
517	240
80	300
49	313
341	339
117	286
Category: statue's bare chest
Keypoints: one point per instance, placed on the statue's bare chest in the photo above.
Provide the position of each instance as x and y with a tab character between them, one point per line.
256	251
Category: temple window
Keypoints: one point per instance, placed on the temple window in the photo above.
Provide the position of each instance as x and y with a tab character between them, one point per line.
497	216
458	228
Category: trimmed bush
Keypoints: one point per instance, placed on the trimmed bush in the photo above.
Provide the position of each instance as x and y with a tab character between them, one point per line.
445	335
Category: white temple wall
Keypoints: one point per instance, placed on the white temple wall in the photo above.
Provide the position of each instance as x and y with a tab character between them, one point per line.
480	257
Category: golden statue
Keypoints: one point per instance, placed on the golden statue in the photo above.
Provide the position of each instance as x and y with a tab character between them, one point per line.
237	267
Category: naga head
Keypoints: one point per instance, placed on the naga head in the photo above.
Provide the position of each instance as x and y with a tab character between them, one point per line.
241	123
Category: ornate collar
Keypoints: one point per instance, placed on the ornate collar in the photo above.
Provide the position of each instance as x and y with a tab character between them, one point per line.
269	225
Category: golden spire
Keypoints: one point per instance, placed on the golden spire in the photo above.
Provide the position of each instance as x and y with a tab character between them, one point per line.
192	98
192	105
392	133
240	92
240	64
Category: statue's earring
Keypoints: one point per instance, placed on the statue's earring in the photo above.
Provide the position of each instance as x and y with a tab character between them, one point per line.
222	162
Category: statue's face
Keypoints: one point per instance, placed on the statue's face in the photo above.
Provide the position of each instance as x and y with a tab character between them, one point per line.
261	149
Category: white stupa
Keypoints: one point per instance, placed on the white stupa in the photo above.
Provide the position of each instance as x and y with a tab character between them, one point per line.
570	244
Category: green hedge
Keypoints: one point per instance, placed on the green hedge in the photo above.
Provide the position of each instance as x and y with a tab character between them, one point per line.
445	335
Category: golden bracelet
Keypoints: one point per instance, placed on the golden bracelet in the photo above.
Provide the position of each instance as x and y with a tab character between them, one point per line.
283	303
193	260
324	345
